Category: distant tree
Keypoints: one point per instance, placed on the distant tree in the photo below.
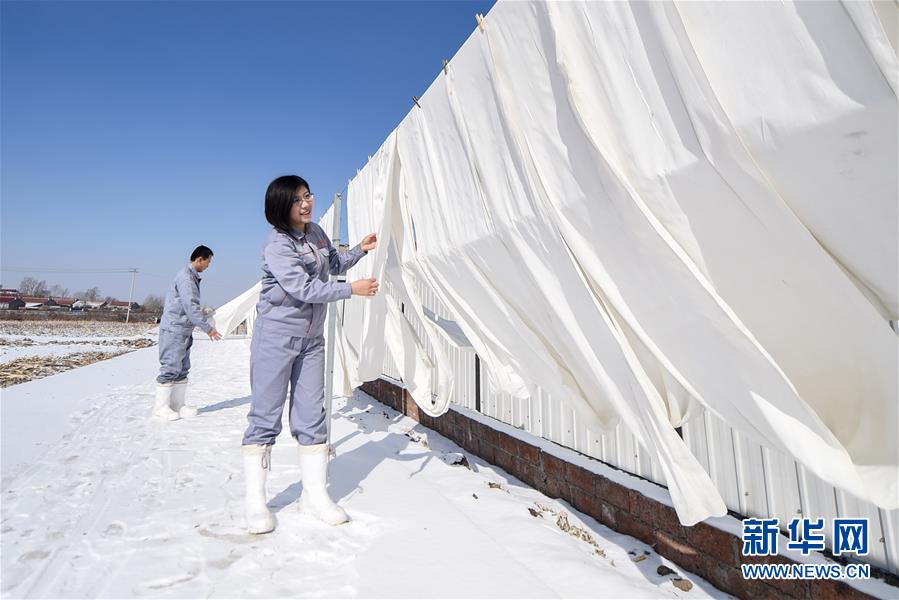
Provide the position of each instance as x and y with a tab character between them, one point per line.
153	303
32	287
27	287
89	295
57	291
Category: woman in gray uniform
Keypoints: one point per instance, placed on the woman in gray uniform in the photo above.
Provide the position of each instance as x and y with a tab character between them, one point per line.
288	348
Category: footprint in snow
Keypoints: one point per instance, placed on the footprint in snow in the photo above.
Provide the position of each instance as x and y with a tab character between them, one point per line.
34	555
234	538
114	530
162	583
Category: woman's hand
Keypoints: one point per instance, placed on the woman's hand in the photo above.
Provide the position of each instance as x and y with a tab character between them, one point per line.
365	287
369	242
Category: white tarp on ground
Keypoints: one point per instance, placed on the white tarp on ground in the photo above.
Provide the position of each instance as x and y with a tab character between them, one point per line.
101	502
641	206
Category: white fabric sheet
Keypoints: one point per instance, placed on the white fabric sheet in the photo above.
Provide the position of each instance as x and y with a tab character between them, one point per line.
375	327
242	308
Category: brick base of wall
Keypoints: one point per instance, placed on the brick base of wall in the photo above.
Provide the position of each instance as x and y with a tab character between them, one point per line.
702	549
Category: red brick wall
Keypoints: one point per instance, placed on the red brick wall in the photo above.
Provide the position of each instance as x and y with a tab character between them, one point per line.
702	549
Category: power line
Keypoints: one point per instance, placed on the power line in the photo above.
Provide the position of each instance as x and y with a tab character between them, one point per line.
20	270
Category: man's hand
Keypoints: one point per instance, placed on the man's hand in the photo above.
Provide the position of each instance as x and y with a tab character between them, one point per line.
369	242
365	287
214	335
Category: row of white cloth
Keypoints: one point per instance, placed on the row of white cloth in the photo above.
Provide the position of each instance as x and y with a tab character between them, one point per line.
642	208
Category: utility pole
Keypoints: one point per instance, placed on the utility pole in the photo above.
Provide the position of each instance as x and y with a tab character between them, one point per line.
130	295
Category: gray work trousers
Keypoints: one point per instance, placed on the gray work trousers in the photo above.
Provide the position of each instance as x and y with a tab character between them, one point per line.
278	364
174	354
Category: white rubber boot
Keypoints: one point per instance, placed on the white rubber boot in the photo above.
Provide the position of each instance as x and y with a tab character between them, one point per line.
315	501
162	405
256	463
178	396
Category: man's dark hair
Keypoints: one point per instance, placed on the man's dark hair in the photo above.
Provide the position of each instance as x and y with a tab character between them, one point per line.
200	252
279	197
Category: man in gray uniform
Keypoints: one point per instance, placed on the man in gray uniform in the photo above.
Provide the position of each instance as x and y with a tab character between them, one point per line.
179	317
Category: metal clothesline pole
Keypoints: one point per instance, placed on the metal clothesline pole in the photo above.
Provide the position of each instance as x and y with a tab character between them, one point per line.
332	326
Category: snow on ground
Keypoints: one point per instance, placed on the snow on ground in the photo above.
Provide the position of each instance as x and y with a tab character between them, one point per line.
99	501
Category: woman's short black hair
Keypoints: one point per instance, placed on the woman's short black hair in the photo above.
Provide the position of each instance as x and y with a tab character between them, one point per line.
279	197
200	252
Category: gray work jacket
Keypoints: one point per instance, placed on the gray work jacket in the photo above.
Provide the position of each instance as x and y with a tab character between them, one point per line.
182	304
296	288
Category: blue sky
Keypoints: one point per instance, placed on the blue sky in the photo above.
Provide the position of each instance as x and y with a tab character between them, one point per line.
130	132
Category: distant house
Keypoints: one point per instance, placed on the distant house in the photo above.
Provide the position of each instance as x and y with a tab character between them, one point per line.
120	305
37	301
8	292
65	302
10	302
94	304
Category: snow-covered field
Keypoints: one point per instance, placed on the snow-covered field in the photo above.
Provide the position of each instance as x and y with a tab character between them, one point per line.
75	329
34	349
22	339
56	347
99	501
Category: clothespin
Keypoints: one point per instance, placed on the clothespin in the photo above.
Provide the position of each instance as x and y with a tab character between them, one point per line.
415	100
445	67
480	19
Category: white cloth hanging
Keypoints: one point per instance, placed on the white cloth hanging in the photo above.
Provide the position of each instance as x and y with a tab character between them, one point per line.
642	208
241	309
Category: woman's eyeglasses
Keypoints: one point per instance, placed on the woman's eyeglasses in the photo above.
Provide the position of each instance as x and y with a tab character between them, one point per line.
307	197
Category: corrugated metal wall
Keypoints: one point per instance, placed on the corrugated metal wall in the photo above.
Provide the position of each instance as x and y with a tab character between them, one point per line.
754	481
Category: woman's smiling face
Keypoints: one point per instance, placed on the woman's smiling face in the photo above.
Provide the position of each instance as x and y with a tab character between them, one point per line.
301	210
